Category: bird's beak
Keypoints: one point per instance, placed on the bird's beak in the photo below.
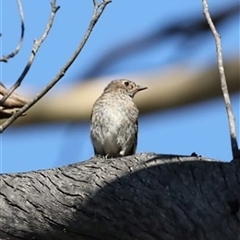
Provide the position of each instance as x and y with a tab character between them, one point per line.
140	88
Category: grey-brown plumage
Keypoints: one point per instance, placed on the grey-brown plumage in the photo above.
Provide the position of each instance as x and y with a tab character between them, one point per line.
114	120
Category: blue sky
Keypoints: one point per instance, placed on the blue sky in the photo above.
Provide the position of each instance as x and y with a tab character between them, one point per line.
200	128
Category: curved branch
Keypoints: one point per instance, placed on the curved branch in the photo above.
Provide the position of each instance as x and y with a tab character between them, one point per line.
36	46
98	10
17	49
143	197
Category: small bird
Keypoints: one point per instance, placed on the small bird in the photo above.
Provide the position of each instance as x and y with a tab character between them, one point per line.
114	120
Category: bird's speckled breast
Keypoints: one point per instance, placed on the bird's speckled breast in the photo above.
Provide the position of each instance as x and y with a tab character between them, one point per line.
111	112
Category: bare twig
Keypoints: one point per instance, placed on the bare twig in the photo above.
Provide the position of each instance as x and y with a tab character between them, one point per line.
36	46
98	10
231	121
17	49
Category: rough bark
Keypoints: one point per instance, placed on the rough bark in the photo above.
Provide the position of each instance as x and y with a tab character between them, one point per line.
144	197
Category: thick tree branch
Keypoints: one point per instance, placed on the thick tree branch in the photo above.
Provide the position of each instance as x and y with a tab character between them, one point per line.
224	87
146	196
186	87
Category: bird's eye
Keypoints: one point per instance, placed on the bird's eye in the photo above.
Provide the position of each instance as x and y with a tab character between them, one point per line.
126	84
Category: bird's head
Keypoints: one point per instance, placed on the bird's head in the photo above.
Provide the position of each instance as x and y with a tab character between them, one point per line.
125	86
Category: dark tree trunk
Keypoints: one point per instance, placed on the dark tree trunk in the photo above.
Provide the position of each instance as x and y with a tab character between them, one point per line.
143	197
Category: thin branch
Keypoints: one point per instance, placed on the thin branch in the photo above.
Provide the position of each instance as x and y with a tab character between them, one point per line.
36	46
98	10
17	49
231	121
